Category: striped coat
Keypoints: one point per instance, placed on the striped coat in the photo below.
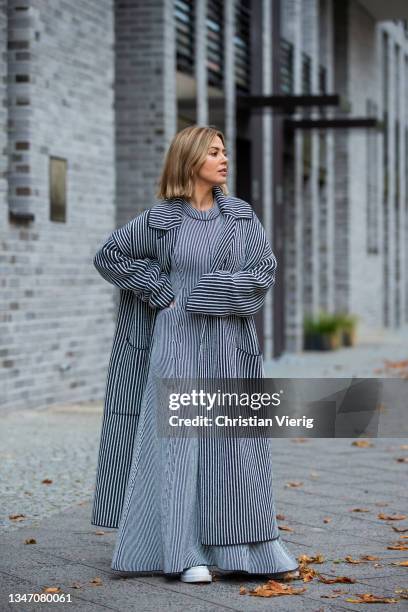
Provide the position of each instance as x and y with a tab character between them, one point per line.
235	474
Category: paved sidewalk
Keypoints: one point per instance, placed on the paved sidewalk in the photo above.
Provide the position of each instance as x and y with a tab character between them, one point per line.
335	476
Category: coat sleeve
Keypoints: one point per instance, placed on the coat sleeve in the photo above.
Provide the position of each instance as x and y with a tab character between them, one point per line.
120	261
222	293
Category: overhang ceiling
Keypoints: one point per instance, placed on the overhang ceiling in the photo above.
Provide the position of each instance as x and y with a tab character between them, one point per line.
384	10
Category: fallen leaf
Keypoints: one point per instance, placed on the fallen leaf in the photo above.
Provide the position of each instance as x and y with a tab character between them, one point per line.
342	579
403	537
30	541
370	558
349	559
280	517
334	593
51	590
75	585
285	528
96	581
404	447
306	559
272	588
402	459
242	590
398	546
392	517
402	563
327	519
359	510
370	598
299	439
403	593
399	529
362	443
99	533
294	484
17	517
46	481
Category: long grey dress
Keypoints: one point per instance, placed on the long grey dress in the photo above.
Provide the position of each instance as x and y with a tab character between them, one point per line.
159	526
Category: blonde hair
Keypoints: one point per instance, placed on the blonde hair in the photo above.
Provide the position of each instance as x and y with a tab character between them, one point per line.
185	156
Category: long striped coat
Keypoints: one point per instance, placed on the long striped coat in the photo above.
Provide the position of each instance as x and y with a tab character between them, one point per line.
235	474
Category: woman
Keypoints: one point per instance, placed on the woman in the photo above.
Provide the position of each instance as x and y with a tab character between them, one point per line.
193	270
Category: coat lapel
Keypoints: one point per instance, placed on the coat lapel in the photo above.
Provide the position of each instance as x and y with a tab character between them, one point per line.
166	217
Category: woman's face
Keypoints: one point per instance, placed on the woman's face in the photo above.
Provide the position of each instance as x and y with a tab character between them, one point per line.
214	168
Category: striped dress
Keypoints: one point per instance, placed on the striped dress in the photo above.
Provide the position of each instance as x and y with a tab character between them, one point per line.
159	526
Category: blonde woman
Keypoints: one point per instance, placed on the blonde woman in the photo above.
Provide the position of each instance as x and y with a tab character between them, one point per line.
193	270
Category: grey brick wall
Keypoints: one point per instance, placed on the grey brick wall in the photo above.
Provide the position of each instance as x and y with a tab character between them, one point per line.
56	312
146	118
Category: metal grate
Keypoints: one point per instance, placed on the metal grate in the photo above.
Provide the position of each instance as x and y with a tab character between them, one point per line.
215	47
185	39
242	46
286	66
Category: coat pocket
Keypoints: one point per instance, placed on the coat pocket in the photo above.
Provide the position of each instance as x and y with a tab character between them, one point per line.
248	365
130	380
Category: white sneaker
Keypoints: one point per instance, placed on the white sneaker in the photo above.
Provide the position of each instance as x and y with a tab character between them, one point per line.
199	573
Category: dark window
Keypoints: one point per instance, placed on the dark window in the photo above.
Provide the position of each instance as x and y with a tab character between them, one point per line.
242	46
57	185
215	43
185	39
306	74
286	67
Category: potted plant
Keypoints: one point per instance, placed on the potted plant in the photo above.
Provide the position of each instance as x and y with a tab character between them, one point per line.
322	333
347	324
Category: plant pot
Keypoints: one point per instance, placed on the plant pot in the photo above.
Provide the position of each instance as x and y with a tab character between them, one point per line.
349	337
321	342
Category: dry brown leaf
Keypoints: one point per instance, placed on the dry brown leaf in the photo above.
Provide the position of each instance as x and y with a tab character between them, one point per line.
398	546
99	533
402	459
370	557
403	593
272	588
299	439
402	563
96	581
306	559
370	598
359	510
335	593
362	443
51	590
307	573
404	447
403	537
350	559
17	517
30	541
75	585
392	517
280	517
399	529
294	484
285	528
46	481
341	579
242	590
327	519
